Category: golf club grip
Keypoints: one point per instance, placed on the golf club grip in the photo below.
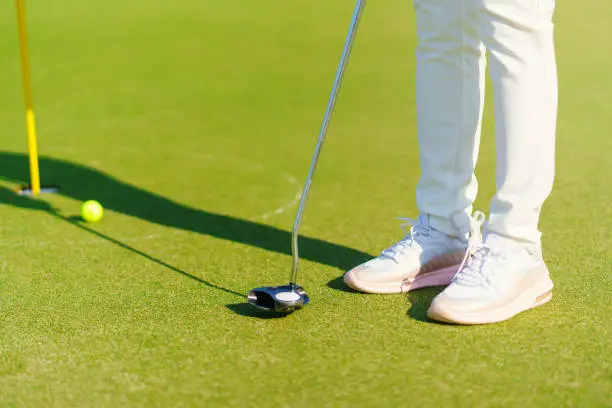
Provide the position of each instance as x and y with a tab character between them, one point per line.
326	119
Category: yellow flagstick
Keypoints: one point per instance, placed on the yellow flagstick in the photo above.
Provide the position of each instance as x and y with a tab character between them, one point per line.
27	90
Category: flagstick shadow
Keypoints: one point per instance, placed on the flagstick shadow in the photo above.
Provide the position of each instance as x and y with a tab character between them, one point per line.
76	222
82	183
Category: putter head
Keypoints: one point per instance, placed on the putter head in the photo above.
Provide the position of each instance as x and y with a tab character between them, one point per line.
281	299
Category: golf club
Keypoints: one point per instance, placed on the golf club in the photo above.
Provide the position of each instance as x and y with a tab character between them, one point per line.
292	297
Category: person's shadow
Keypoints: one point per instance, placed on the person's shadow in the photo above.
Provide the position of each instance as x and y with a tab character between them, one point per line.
81	183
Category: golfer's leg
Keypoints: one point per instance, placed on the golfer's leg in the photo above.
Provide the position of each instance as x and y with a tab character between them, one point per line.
519	37
450	68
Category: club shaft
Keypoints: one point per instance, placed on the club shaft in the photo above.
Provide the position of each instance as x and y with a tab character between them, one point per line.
326	119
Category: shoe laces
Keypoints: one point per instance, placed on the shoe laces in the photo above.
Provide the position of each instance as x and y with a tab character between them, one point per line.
414	237
471	270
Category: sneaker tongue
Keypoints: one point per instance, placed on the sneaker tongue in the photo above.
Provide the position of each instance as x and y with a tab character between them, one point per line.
495	240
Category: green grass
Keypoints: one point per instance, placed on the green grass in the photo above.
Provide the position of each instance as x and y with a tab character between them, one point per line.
192	121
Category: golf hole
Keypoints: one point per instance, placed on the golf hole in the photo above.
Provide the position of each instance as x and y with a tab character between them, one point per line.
287	296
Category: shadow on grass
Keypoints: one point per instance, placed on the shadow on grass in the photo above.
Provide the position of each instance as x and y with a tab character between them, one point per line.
419	303
76	221
9	197
244	309
83	183
338	284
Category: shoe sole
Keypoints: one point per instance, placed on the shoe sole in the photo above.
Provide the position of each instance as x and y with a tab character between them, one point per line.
537	295
440	277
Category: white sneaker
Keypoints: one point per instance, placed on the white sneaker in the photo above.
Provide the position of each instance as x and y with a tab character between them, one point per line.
501	279
424	257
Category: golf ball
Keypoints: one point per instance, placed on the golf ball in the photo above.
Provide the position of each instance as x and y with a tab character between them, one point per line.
92	211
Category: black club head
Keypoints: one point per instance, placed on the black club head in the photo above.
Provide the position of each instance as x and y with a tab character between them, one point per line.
280	299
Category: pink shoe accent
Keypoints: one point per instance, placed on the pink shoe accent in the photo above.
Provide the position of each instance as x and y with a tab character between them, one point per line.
440	277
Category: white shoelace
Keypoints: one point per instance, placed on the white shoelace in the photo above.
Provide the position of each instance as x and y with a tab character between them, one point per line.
414	237
471	267
472	270
482	262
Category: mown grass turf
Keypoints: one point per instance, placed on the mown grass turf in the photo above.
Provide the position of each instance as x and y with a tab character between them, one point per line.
193	122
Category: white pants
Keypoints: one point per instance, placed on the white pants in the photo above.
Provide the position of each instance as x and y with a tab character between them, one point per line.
453	36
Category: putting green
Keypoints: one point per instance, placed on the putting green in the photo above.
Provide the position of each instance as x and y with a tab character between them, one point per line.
193	123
